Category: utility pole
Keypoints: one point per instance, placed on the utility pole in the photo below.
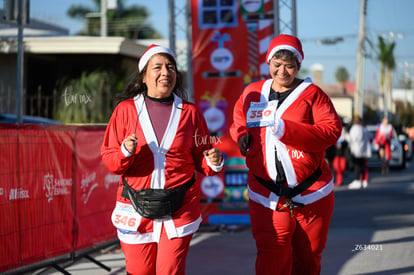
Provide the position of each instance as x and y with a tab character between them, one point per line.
359	87
20	62
18	13
171	24
104	28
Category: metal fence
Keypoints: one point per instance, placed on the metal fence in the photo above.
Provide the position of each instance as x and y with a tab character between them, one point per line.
35	104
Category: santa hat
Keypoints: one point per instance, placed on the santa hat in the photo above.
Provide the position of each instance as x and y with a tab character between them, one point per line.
152	50
285	42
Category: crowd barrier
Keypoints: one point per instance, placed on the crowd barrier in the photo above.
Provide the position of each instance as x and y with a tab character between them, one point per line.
56	195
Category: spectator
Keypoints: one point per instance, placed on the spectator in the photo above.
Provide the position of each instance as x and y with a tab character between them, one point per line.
382	143
359	140
339	162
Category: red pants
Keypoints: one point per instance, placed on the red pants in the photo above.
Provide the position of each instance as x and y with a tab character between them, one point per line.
339	165
287	245
164	258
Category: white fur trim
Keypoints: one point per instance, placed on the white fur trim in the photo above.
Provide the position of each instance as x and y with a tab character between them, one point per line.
150	52
285	47
273	199
172	232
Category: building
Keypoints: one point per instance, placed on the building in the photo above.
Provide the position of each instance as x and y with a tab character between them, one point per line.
50	55
50	59
342	96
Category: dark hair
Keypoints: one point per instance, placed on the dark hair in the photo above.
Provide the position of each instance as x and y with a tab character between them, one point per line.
137	86
286	55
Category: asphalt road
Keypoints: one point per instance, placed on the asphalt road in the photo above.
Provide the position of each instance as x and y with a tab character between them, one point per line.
372	232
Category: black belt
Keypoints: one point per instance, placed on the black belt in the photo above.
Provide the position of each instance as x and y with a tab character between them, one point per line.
283	191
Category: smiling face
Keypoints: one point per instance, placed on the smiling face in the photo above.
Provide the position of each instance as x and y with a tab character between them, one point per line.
160	76
283	72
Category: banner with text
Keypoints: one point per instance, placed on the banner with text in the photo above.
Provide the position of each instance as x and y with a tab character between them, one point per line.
56	196
229	44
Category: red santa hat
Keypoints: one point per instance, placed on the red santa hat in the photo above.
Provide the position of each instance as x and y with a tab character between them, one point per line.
152	50
285	42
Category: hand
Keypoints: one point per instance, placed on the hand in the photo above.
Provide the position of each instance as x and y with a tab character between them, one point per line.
214	155
244	142
276	131
130	143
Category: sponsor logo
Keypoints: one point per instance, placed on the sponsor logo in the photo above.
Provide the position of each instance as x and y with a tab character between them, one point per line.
203	140
296	154
88	184
18	193
212	186
55	187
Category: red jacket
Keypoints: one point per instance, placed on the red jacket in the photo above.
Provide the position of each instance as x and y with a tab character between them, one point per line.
165	165
383	137
311	125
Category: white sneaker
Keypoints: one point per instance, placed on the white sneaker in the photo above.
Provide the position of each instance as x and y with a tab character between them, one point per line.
364	184
356	184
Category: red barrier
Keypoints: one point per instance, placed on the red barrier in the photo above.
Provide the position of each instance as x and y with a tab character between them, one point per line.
96	190
56	196
45	180
9	222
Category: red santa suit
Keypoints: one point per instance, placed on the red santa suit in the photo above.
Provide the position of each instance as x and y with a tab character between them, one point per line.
166	165
383	137
306	124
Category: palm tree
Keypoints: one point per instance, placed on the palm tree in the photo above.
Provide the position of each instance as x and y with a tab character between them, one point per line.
128	22
342	76
387	66
87	99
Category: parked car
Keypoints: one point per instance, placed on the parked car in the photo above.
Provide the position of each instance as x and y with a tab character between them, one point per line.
407	145
398	155
12	118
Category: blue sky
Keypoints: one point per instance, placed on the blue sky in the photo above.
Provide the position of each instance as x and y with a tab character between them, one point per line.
316	19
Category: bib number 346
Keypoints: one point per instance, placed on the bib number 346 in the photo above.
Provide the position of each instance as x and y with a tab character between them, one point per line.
125	217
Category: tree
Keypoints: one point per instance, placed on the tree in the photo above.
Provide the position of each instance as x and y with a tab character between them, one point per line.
405	113
128	22
87	99
387	66
342	76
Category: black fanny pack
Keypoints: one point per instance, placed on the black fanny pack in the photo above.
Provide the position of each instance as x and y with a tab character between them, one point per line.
287	192
156	203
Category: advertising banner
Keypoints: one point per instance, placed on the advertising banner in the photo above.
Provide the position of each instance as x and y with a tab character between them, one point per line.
56	196
44	192
229	44
9	222
96	190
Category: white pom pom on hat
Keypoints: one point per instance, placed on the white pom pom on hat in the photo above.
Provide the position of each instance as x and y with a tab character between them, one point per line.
285	42
150	51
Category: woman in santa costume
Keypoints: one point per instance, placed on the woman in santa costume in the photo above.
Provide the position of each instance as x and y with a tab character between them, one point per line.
283	126
150	141
382	142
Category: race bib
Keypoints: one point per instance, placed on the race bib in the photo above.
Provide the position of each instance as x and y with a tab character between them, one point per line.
125	217
261	114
